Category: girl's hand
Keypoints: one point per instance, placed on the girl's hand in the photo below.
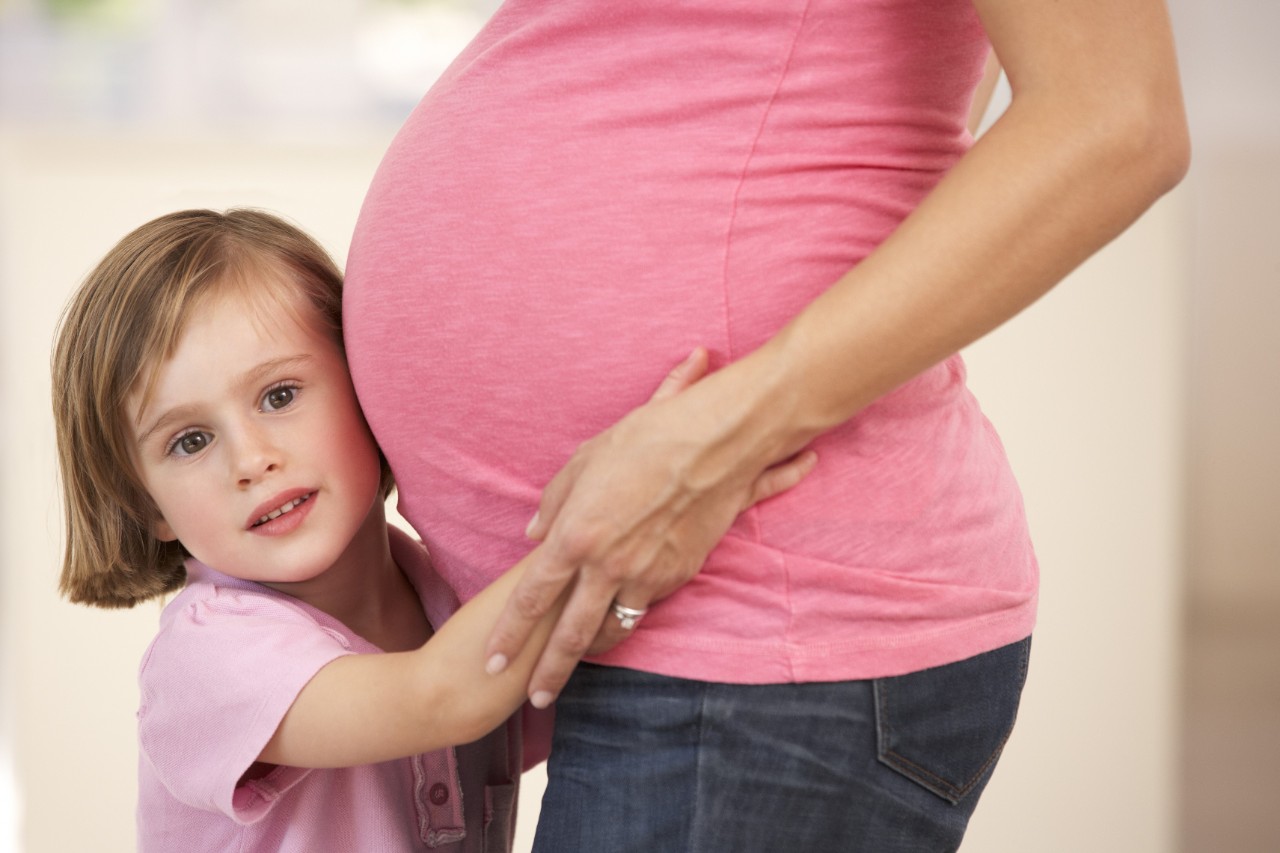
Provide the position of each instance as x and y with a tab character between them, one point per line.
632	517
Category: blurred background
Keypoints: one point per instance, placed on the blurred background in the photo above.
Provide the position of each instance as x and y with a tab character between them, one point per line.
1139	401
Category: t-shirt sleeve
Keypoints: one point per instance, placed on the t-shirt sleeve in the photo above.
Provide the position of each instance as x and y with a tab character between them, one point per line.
215	685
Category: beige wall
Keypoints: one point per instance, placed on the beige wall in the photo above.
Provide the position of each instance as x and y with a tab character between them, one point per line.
1087	389
1234	422
70	671
1230	67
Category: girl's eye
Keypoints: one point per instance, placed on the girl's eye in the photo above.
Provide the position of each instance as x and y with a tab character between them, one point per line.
279	398
189	444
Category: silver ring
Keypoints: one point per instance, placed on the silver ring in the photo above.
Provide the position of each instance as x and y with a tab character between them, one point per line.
628	617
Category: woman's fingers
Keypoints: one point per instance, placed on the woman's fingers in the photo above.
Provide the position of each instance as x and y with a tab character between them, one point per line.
587	624
684	374
553	497
781	477
637	508
771	483
622	620
579	624
543	581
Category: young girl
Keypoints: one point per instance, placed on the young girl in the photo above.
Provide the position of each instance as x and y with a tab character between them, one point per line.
304	691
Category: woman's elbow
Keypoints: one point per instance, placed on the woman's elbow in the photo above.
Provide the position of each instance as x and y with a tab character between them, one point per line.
1169	147
1156	140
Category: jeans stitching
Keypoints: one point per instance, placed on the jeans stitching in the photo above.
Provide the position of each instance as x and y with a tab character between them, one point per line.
693	834
926	778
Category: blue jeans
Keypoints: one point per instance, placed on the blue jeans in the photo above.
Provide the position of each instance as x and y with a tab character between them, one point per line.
651	764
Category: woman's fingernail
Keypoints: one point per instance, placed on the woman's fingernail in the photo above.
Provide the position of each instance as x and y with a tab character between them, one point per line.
533	522
496	664
541	700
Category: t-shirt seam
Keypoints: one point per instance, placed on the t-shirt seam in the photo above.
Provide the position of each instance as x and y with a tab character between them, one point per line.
742	179
752	514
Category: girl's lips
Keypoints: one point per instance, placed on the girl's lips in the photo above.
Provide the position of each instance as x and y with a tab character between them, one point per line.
286	522
282	513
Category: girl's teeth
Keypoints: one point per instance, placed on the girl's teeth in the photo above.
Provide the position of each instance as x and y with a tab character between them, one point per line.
276	513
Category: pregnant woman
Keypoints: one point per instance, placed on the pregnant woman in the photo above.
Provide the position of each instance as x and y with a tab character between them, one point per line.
594	189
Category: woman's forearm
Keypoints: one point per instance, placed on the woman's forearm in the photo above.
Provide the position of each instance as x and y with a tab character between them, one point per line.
1048	185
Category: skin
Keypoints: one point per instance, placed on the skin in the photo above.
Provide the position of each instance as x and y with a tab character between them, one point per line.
1095	133
254	409
249	412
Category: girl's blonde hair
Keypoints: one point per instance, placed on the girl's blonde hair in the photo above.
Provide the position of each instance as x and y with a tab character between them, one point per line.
120	326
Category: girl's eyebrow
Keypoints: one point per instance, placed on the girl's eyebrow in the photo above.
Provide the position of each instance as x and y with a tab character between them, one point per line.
251	378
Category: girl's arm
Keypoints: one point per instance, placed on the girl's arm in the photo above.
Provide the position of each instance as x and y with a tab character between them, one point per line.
1095	133
360	709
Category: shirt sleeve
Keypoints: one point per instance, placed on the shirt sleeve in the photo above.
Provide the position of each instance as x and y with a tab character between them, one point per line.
215	685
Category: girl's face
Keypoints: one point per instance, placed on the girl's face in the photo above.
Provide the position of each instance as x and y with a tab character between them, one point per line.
253	446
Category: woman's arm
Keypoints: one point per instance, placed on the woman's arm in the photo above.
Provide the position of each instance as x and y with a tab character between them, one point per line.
1094	135
360	709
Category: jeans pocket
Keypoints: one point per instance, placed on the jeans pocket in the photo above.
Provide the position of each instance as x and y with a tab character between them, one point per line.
944	727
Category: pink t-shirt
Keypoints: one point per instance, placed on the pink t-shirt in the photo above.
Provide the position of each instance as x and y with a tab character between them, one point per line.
594	188
227	663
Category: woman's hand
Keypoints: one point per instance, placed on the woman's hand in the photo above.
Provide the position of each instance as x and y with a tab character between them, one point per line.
633	515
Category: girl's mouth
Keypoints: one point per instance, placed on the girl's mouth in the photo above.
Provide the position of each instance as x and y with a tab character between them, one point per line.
288	506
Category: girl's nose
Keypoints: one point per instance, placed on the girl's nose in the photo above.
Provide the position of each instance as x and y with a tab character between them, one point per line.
255	457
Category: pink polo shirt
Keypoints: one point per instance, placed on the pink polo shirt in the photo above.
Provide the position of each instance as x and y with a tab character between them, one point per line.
228	661
592	189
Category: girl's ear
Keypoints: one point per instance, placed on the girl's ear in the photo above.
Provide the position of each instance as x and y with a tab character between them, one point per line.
162	531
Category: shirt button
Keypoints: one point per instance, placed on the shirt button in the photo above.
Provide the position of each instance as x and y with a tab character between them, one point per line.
439	794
